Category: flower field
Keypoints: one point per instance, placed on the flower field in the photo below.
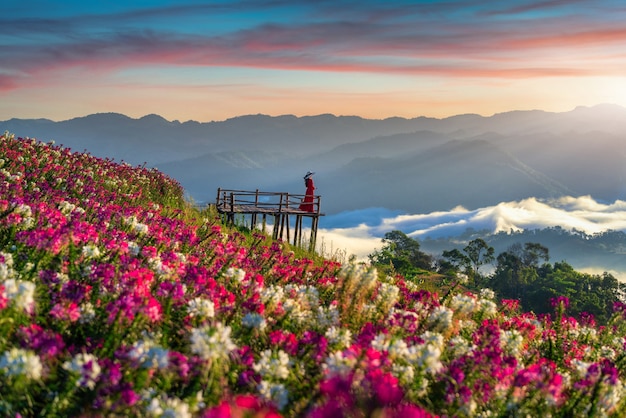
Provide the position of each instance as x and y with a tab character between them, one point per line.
118	298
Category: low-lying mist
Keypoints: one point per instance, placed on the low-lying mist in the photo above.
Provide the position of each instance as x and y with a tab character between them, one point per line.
359	232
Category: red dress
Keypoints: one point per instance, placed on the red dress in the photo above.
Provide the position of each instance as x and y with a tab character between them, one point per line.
307	203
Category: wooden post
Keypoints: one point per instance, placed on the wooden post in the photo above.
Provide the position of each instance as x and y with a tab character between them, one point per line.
256	205
287	218
278	219
217	203
232	207
314	223
297	231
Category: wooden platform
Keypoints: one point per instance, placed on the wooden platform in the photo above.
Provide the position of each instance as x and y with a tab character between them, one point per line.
280	205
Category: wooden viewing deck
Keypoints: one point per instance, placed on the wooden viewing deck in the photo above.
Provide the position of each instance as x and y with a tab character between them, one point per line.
280	205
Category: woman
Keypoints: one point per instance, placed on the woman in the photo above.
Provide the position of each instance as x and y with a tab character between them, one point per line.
307	203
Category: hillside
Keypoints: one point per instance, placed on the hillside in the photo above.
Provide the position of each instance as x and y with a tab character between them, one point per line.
118	298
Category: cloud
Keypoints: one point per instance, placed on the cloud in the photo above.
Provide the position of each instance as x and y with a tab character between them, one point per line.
396	38
360	233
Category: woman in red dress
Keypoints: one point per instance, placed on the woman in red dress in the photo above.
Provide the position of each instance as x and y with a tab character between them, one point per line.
307	203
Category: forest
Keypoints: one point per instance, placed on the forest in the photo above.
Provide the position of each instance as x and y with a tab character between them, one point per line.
522	272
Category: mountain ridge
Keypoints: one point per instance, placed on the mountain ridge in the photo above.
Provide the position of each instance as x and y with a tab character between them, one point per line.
580	151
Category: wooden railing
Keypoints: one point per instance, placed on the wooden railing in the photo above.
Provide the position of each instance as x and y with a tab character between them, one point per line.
280	205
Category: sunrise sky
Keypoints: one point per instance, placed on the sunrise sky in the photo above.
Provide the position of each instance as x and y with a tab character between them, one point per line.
213	60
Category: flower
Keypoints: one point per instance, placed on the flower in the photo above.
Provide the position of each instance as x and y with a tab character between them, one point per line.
212	342
21	293
86	367
273	365
254	320
18	362
275	393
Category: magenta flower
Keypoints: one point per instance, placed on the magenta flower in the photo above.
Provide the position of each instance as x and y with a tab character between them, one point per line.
559	302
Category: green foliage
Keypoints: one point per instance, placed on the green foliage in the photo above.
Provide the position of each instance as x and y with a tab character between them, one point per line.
475	254
401	255
519	275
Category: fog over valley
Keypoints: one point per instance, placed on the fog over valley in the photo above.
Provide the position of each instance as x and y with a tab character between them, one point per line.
565	225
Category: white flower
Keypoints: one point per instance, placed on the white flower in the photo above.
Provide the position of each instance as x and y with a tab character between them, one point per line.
133	248
380	342
339	336
272	295
201	308
463	304
459	346
440	318
426	356
487	307
6	266
236	273
21	292
404	373
24	210
212	343
149	355
18	362
511	342
274	392
398	348
164	407
136	226
611	397
387	297
327	316
338	364
90	251
66	207
254	320
87	313
433	338
580	367
87	367
487	294
359	276
273	365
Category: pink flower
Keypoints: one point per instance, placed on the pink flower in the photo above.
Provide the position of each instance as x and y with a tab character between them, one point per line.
386	388
153	310
68	311
559	302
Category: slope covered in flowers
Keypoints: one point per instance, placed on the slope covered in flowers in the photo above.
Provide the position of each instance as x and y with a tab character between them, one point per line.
117	299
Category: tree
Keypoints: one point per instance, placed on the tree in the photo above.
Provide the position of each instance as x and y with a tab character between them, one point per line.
478	253
401	253
475	254
457	259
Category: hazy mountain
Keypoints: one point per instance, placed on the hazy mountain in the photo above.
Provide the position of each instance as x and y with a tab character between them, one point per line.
414	165
468	173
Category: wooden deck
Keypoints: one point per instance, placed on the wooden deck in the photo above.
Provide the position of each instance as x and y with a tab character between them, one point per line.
281	206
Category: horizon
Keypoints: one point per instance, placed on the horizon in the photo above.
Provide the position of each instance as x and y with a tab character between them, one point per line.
576	107
216	61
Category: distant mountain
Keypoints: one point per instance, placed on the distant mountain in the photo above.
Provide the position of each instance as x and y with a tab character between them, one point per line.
415	165
471	173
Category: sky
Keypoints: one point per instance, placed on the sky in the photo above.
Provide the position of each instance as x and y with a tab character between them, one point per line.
214	60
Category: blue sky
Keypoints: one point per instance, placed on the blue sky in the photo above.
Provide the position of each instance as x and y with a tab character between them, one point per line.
212	60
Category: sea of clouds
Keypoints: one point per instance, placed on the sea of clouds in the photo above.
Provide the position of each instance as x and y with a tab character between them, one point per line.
359	232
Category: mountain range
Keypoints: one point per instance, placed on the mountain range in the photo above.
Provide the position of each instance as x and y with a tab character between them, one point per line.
414	165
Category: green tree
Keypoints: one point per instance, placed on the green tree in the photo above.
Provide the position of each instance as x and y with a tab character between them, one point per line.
479	253
475	254
401	254
519	275
517	269
458	260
